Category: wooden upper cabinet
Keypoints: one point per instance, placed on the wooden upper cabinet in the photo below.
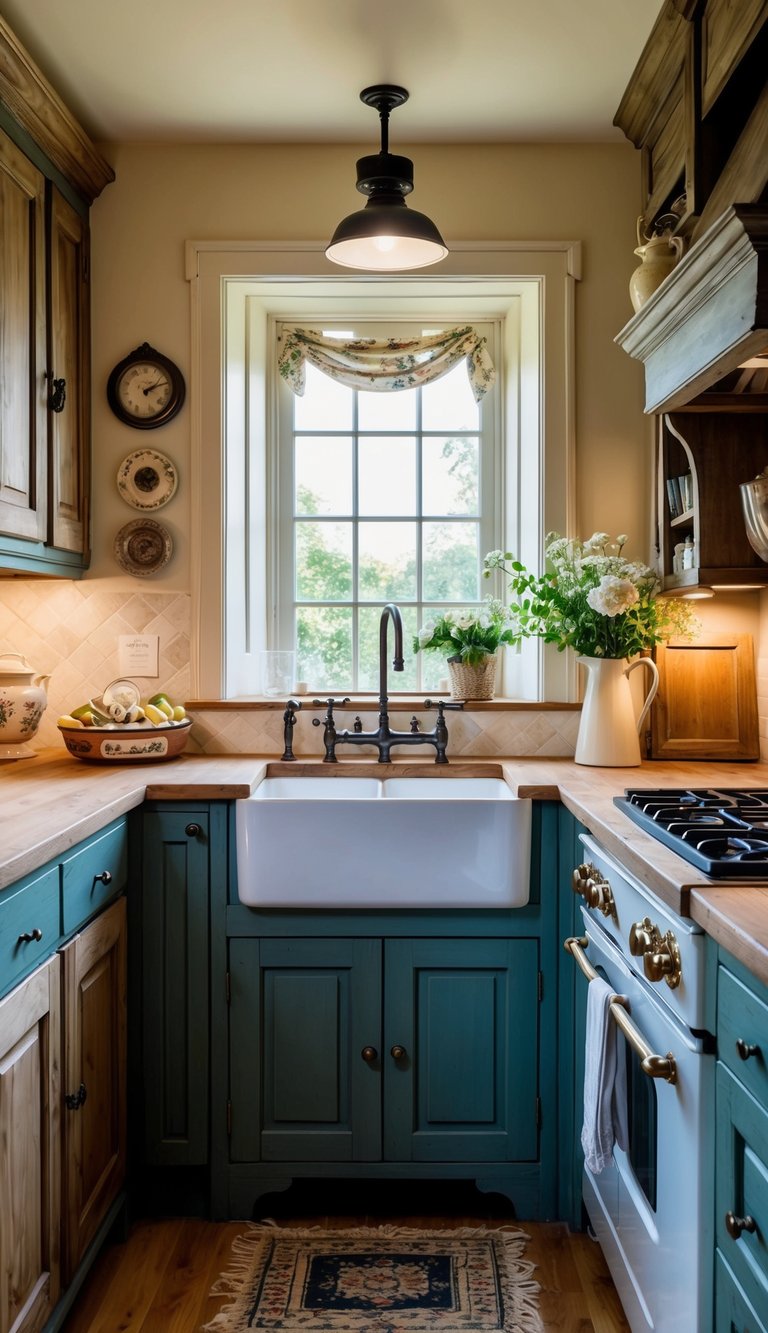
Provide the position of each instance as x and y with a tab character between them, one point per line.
22	345
728	29
69	360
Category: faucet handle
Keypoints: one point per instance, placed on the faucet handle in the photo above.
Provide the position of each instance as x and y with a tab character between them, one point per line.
330	704
441	704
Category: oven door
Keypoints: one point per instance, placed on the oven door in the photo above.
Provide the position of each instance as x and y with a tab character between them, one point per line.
649	1209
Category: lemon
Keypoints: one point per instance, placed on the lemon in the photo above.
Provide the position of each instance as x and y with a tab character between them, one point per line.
179	713
69	721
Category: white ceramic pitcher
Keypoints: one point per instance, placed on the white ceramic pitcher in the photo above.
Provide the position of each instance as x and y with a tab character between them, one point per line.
609	733
22	703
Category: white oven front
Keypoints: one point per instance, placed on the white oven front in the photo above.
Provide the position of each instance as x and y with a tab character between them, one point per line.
649	1208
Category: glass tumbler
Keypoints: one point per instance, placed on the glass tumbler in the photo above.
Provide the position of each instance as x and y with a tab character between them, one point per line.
278	673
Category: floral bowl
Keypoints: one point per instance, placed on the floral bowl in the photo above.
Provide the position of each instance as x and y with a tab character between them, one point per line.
126	744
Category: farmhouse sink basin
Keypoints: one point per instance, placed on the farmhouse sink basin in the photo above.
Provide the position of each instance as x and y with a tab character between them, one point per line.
406	842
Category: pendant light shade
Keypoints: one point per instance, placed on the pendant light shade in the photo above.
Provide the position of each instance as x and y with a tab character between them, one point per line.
386	235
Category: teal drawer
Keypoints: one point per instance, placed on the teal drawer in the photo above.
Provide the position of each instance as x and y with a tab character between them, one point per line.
93	875
741	1191
29	909
733	1312
742	1025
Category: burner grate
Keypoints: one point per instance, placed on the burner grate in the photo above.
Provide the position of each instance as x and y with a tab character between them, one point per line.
722	831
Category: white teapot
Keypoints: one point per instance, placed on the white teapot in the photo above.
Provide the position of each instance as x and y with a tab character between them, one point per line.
22	703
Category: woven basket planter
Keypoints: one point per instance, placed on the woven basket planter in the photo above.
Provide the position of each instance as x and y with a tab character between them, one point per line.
472	682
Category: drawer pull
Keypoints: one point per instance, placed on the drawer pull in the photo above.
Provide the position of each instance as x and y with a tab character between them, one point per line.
193	830
735	1225
104	878
74	1100
744	1050
369	1054
30	935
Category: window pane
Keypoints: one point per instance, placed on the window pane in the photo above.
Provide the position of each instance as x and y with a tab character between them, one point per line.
450	475
451	562
323	474
448	403
387	475
323	561
387	411
368	653
324	646
324	405
387	561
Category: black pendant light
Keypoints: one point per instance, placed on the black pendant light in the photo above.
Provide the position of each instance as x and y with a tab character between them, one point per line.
386	235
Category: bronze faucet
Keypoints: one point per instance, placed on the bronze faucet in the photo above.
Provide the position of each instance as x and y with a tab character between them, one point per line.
384	737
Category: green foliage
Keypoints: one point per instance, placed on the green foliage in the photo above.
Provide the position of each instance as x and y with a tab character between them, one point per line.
469	636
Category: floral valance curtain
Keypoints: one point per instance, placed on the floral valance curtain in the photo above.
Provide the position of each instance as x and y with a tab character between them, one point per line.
388	365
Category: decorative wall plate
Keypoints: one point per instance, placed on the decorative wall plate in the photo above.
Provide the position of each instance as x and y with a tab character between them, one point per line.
143	547
147	479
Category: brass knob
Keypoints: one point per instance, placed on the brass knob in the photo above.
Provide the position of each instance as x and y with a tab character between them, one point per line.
744	1050
398	1052
735	1225
30	935
579	878
369	1054
663	961
193	830
643	935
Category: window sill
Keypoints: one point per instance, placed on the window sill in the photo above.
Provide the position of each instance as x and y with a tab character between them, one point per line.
397	703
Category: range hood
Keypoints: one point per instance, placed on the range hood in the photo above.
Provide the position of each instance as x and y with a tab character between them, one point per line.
703	334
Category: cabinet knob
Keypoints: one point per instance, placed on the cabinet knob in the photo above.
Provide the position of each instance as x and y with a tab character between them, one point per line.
193	830
30	935
398	1052
369	1054
104	878
744	1050
735	1225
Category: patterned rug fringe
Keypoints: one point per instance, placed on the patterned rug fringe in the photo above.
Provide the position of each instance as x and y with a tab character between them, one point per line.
233	1281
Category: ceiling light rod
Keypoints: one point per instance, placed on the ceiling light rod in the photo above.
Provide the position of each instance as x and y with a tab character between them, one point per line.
385	235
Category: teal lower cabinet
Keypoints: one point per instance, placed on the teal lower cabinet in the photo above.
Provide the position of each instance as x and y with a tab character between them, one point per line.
385	1057
741	1193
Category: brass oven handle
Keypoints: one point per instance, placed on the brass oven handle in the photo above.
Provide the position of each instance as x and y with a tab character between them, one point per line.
655	1066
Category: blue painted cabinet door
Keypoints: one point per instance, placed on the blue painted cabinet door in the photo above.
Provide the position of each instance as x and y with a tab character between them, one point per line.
464	1014
174	985
304	1015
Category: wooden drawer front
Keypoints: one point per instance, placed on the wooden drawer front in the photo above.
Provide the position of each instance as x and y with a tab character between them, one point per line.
743	1017
27	910
742	1184
93	875
727	31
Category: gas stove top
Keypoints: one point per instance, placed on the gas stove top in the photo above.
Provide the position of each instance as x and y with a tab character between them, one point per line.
723	831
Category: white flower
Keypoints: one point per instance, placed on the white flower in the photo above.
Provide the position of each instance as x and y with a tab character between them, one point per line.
612	596
622	539
597	539
494	559
426	632
465	619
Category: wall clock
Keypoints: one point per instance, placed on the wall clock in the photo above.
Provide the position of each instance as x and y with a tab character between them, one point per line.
145	389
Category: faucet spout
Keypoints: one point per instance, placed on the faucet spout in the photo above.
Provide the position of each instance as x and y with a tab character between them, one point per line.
397	661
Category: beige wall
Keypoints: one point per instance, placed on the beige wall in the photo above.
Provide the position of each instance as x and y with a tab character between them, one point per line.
164	195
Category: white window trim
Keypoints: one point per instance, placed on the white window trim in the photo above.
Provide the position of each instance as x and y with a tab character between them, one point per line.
234	288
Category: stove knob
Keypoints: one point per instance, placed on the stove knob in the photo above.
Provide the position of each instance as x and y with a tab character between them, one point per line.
663	962
643	936
579	878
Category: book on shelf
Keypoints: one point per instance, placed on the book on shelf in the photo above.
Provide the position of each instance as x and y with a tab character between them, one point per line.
674	497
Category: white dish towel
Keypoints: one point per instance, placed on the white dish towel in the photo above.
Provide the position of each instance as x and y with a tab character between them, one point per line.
605	1082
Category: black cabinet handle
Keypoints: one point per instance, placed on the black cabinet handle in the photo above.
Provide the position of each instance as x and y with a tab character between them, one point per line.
30	935
193	830
104	878
744	1050
58	394
74	1100
398	1052
735	1225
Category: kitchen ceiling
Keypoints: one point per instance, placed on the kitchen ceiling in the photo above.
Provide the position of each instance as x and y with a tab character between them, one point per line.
267	71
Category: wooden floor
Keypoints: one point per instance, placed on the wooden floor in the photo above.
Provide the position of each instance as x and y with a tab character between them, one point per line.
159	1279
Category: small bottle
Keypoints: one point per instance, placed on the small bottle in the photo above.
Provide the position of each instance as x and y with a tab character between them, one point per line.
688	554
677	558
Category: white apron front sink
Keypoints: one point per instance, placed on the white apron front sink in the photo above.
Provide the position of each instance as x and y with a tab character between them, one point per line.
317	842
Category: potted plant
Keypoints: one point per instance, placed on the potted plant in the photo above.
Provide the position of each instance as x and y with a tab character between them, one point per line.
470	640
593	599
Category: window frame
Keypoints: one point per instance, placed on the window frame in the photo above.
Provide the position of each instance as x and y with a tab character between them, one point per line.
280	459
233	287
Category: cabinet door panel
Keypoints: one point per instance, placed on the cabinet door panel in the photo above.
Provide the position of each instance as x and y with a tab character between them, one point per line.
466	1014
22	346
68	359
301	1013
175	986
742	1184
30	1162
94	1061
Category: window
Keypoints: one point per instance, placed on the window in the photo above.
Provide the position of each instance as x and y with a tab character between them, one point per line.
381	497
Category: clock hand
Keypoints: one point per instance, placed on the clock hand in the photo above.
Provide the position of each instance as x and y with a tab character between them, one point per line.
157	385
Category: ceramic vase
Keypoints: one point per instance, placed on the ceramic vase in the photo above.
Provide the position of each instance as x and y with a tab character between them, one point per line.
609	732
22	703
472	682
658	256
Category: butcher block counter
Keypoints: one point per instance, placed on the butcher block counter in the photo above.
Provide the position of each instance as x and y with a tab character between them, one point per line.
50	803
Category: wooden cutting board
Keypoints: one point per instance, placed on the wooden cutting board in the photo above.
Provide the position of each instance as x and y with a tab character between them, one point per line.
706	705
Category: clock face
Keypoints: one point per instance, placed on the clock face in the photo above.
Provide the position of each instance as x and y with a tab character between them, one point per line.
146	389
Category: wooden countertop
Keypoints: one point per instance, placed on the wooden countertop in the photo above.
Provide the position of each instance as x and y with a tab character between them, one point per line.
51	802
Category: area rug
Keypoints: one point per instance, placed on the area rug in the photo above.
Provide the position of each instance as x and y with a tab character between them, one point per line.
378	1280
